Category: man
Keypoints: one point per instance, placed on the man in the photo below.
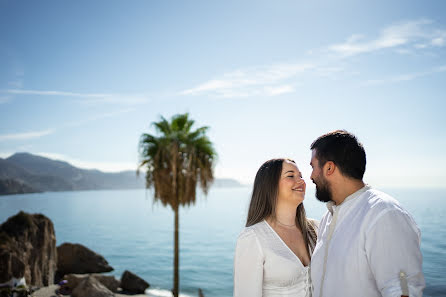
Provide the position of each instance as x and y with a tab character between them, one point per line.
367	245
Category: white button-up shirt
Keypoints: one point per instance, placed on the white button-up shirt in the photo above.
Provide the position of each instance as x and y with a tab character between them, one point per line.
367	246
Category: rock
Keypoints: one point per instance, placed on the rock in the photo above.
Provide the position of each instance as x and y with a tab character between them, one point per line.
73	280
200	293
45	291
11	266
91	287
108	281
132	283
76	258
28	249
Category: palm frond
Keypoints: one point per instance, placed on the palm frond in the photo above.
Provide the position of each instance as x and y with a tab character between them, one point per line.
176	160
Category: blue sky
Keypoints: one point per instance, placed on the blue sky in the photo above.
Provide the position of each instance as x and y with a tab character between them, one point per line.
82	80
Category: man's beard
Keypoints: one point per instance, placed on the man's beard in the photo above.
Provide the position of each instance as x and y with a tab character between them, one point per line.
323	192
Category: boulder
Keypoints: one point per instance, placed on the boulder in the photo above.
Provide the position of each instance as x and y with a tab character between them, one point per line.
11	266
109	281
91	287
28	249
132	283
73	280
76	258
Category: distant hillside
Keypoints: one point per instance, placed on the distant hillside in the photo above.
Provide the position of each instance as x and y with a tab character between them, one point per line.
226	183
27	173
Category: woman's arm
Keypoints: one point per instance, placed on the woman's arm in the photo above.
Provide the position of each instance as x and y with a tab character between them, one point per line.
248	266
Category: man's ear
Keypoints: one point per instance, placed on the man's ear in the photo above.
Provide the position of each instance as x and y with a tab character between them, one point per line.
329	168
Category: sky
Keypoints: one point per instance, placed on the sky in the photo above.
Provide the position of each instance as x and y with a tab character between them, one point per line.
80	81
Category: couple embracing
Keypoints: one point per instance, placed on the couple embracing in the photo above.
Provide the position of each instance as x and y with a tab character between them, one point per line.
365	245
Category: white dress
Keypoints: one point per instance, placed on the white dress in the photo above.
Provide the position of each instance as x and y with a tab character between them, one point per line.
264	266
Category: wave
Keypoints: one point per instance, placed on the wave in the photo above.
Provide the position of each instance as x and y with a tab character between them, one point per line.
162	293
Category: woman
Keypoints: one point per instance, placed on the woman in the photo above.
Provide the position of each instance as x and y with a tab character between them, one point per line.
273	252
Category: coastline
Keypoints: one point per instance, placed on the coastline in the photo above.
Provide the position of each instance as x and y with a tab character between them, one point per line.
50	291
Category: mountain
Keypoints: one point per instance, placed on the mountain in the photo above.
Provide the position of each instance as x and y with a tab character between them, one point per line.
16	174
226	183
27	173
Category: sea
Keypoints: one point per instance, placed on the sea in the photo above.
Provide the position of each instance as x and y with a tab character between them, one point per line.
134	233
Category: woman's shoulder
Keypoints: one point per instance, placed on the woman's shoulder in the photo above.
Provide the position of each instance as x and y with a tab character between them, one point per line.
250	238
251	231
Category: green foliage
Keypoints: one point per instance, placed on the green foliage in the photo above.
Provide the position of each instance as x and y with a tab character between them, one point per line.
176	160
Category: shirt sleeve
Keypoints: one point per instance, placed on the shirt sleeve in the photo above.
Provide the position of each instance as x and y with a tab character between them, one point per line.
392	246
248	266
322	222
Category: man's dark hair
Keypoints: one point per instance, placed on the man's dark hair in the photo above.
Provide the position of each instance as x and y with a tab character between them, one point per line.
343	149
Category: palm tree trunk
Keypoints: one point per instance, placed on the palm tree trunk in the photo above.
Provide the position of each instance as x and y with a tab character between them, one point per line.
176	260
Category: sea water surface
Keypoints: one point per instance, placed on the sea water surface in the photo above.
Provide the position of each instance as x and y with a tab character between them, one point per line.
134	234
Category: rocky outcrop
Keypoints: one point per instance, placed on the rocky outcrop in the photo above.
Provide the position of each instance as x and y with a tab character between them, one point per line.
109	281
28	249
11	186
91	287
132	283
11	266
77	259
73	280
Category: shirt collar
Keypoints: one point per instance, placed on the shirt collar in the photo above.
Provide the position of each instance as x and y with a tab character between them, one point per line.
331	206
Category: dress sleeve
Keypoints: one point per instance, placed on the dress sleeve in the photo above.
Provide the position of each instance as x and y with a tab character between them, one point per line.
392	246
248	266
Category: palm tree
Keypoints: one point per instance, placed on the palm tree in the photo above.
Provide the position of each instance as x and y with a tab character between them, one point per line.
176	161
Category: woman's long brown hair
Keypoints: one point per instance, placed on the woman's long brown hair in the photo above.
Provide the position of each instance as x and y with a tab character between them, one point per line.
264	200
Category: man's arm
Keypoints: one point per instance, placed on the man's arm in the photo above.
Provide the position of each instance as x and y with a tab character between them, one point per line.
394	255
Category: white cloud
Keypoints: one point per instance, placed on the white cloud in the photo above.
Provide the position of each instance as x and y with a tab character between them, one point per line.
102	166
118	99
53	93
404	51
403	38
209	86
406	77
4	99
129	99
5	155
38	134
418	34
278	90
267	81
439	41
98	117
25	135
331	72
16	83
